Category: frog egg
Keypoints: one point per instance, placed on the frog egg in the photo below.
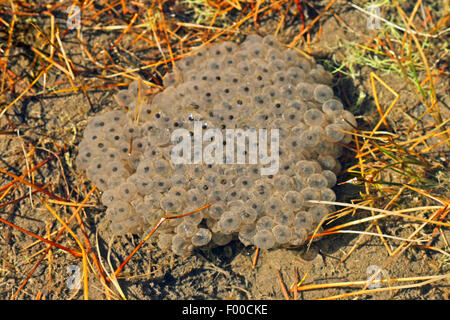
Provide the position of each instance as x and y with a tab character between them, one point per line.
160	183
314	117
185	63
318	213
117	169
273	54
251	40
310	194
195	217
177	192
143	183
109	196
221	239
270	91
145	167
327	162
300	236
218	194
279	78
292	117
323	93
91	136
303	220
101	181
186	230
161	167
217	52
244	182
139	145
334	132
229	222
216	210
117	117
319	75
282	183
264	239
256	204
171	79
96	167
178	180
202	237
134	224
306	167
288	91
100	145
132	130
147	211
305	91
165	241
119	211
265	223
312	137
271	41
327	195
299	182
287	166
119	229
332	106
276	66
273	205
284	217
247	89
232	195
294	75
259	79
115	138
180	245
294	200
246	234
153	198
125	99
244	68
294	142
282	234
248	215
171	204
262	188
347	119
256	50
84	157
195	198
225	91
330	176
128	191
229	47
317	181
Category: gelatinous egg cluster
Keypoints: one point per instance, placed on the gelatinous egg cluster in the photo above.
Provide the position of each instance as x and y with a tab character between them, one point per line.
258	84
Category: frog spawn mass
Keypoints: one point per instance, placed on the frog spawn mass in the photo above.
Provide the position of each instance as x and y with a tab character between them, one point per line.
258	84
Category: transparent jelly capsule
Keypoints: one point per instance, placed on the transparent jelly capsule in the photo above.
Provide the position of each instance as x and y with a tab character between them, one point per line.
294	200
264	239
229	222
318	212
282	234
317	181
314	117
201	237
322	93
303	220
